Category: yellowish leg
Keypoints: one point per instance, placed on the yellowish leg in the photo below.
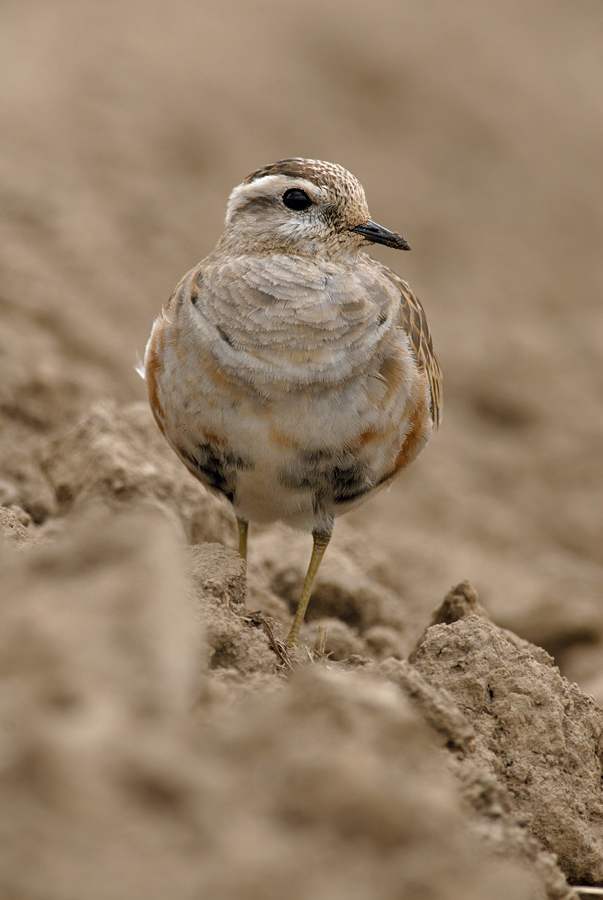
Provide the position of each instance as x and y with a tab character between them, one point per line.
321	541
243	529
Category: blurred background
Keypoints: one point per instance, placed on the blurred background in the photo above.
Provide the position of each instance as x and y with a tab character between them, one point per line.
476	131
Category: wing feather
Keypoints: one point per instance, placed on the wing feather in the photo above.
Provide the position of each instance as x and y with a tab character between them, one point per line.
414	323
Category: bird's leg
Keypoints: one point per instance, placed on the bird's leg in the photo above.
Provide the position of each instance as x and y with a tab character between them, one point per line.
321	541
243	529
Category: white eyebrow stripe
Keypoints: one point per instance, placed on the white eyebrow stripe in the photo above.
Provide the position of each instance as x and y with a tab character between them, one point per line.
271	185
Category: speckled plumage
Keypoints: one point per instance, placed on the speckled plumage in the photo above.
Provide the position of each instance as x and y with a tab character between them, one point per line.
293	374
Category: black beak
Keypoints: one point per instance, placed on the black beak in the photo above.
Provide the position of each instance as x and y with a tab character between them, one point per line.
380	235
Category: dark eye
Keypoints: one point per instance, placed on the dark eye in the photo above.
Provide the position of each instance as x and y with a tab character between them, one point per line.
296	199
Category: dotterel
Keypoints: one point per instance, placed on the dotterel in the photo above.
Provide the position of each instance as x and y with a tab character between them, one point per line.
293	374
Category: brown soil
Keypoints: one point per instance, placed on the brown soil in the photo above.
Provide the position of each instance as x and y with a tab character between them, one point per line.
157	739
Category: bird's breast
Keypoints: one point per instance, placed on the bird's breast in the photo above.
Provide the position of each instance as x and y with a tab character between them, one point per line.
286	323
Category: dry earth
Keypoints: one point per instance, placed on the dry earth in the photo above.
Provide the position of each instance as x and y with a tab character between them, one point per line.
157	740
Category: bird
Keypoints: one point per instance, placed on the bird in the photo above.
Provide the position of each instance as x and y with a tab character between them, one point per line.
292	373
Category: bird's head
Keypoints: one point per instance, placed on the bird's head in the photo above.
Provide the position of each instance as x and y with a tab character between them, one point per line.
305	207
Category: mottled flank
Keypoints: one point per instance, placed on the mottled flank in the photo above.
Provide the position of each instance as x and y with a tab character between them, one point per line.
216	468
413	442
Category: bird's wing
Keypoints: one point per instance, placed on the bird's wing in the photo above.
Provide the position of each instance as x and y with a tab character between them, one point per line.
414	323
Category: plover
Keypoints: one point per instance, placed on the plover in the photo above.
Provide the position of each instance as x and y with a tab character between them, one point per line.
293	374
